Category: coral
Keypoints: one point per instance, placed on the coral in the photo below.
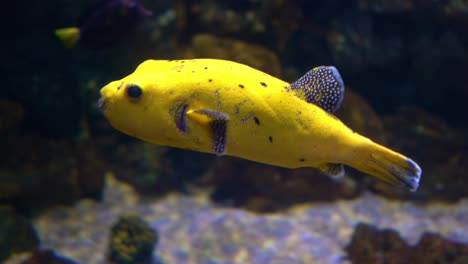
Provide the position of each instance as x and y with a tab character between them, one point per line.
132	241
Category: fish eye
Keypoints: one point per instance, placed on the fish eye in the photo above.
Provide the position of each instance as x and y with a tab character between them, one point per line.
134	91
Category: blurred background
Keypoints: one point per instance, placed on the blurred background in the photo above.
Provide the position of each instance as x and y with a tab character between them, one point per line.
404	63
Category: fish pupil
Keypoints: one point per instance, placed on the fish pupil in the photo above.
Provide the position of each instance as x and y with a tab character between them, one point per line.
134	91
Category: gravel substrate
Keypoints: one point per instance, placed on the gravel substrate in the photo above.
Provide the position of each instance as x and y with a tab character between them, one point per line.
193	230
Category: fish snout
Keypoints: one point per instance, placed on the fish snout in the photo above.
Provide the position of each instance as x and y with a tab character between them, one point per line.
101	103
105	96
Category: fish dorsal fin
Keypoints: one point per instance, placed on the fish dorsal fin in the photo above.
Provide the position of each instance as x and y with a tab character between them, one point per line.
322	86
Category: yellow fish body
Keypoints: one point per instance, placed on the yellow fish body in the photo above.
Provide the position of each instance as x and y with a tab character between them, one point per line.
224	107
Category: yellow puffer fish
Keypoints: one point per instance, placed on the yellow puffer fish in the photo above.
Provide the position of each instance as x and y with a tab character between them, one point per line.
224	107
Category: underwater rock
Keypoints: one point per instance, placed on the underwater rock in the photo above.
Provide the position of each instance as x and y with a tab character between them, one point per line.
270	23
16	233
47	256
361	117
256	56
390	6
37	172
260	187
136	162
432	248
455	8
440	150
151	169
132	241
399	6
389	52
233	17
370	245
44	82
11	116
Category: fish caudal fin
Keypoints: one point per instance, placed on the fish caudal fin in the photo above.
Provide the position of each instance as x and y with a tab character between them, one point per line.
68	36
390	166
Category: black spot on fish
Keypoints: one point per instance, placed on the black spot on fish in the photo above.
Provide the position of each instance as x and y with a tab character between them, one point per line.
120	86
206	68
210	80
263	84
271	139
193	71
182	62
241	85
301	159
257	121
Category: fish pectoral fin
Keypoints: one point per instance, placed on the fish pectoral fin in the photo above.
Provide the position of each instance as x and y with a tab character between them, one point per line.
322	86
216	124
180	118
336	170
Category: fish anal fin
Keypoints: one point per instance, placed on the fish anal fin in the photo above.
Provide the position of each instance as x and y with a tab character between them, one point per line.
322	86
216	124
335	170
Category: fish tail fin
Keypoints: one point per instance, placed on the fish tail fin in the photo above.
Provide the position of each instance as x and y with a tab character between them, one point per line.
389	166
69	36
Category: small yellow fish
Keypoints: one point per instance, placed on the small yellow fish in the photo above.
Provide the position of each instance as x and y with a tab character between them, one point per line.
224	107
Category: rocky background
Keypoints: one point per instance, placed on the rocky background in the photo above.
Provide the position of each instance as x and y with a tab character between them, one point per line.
404	62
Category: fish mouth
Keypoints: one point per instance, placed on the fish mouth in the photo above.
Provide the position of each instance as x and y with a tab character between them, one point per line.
101	103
